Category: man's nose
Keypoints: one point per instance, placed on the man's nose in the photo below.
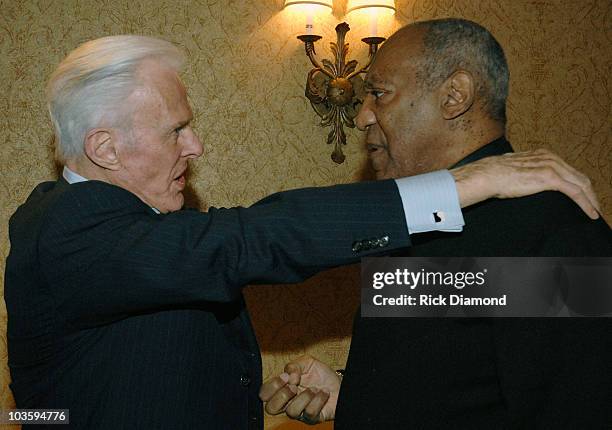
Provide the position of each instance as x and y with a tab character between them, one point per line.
192	146
365	117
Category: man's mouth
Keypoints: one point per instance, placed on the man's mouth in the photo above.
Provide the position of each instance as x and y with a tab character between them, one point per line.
376	154
181	180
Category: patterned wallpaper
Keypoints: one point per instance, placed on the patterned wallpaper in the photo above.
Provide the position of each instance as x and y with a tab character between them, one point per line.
246	74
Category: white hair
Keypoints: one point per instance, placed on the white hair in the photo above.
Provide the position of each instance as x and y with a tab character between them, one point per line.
90	85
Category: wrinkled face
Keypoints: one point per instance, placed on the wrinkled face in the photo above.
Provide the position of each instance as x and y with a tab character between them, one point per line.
160	142
400	119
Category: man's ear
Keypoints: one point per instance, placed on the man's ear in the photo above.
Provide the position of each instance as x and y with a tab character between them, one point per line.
100	148
457	94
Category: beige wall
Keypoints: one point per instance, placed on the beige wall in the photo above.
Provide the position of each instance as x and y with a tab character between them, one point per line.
246	77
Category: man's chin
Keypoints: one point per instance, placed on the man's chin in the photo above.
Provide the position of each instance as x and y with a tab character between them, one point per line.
175	205
381	174
178	203
381	170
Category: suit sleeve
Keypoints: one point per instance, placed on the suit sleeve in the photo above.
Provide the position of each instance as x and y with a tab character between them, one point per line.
105	255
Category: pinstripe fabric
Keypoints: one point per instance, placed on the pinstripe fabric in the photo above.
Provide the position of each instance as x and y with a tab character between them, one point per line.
136	320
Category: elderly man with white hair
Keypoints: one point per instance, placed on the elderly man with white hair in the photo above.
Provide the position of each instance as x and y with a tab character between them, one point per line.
127	309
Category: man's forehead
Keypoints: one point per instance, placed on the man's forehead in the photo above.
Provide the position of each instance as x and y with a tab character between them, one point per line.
384	70
157	74
396	58
374	77
162	95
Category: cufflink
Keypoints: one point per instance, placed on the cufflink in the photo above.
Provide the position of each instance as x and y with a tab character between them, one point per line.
439	216
367	244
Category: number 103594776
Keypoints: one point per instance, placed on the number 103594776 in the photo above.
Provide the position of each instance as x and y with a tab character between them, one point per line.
34	416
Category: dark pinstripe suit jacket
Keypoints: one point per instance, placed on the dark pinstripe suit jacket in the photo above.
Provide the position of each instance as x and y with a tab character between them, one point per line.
488	373
136	320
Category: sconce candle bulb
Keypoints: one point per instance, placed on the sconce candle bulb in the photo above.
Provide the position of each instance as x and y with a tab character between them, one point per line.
309	21
374	23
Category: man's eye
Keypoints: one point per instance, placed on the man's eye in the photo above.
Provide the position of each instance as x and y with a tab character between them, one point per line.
376	93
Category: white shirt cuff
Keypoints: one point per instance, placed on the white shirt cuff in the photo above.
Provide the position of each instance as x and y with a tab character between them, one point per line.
431	202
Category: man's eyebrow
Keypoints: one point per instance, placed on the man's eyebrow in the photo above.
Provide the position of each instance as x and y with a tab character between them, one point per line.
374	84
374	81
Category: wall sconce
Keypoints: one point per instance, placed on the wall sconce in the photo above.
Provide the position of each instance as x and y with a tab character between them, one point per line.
335	89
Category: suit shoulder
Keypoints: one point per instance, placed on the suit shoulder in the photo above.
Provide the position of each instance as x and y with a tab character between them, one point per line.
546	224
92	203
546	210
567	229
92	196
558	206
72	205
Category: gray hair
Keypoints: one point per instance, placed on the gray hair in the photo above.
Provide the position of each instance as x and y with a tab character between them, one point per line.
89	86
452	44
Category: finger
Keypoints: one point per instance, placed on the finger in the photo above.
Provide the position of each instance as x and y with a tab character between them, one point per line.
553	177
299	403
268	389
295	377
279	401
296	368
542	170
578	195
570	174
586	188
567	173
313	409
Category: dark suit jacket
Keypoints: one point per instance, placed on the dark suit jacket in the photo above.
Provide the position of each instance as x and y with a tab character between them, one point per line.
488	373
136	320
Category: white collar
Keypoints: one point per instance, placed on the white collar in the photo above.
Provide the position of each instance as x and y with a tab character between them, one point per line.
72	177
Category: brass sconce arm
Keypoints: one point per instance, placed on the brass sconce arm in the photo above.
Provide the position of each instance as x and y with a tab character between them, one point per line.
335	89
373	43
309	40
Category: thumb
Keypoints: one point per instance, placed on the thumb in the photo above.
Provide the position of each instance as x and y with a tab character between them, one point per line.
298	367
